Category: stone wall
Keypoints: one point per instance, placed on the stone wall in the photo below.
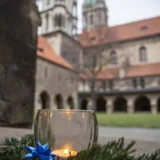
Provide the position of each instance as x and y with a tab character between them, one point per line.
71	51
19	21
54	80
124	84
128	49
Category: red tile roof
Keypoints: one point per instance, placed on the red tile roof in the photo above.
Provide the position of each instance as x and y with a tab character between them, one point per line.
142	70
49	54
130	31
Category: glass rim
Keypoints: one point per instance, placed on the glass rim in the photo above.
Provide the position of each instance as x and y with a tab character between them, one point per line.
70	110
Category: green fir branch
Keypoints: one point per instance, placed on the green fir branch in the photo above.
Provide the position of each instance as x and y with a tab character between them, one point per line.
114	150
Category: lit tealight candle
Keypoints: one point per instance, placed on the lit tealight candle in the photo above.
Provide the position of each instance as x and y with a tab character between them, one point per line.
64	153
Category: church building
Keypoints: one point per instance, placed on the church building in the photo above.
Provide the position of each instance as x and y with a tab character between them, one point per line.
129	79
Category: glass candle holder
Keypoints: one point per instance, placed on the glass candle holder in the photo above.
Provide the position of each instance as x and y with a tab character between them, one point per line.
66	131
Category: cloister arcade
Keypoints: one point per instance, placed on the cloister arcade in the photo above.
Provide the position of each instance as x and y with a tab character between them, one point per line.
58	101
125	104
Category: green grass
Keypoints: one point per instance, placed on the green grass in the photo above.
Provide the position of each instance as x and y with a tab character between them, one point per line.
129	120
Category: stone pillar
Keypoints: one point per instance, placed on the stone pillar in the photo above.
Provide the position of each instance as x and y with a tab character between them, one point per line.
110	106
52	102
90	104
37	103
153	106
130	106
106	105
75	101
65	103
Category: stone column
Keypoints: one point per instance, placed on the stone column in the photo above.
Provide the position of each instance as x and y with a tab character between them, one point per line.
65	103
52	102
37	103
110	106
153	106
75	101
130	106
106	105
90	104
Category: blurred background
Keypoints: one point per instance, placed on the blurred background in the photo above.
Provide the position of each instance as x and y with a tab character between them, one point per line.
92	54
89	55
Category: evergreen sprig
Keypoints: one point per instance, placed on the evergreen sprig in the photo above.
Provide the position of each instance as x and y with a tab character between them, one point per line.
115	150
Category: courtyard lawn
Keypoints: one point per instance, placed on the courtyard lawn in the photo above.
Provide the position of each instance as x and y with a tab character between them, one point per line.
142	120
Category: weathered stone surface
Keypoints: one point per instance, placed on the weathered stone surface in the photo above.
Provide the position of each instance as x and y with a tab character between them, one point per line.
19	20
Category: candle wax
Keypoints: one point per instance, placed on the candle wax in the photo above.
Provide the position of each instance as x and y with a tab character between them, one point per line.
65	153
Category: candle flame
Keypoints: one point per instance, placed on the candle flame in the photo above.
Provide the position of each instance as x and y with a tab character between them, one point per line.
66	151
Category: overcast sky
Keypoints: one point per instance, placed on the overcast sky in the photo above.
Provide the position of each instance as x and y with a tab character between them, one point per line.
124	11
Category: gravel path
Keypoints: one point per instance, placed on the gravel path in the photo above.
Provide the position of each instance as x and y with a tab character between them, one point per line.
131	133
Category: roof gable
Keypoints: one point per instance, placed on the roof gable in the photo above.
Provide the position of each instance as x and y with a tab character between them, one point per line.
49	54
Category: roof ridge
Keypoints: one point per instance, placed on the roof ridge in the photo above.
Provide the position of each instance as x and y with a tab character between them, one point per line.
142	20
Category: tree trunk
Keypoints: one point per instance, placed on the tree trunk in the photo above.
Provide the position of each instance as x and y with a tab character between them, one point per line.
93	93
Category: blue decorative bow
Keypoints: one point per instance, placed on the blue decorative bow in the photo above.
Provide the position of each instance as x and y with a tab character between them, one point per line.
43	152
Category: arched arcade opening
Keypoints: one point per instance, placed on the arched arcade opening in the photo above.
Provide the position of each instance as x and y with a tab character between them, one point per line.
100	104
142	104
70	102
45	100
158	105
120	104
59	101
84	104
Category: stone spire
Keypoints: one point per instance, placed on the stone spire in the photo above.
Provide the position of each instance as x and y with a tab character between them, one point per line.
95	14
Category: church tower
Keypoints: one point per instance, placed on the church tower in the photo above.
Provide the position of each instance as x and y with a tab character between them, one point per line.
95	14
59	27
59	15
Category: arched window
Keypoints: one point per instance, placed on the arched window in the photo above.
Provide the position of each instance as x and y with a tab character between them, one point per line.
74	31
110	84
142	54
99	15
91	19
113	55
135	85
142	82
74	9
59	20
48	2
47	21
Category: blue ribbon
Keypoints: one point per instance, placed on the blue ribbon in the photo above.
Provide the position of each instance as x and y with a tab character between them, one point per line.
43	152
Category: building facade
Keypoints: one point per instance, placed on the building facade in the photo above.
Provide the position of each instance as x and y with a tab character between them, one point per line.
129	79
59	26
56	80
